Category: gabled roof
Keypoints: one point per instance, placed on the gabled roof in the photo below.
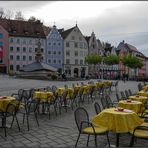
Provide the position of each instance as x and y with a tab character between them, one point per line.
23	28
65	33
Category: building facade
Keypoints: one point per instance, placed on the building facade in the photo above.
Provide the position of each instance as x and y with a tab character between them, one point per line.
55	49
75	51
22	44
124	49
3	50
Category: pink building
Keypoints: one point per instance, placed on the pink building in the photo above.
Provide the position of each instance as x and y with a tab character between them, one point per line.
4	46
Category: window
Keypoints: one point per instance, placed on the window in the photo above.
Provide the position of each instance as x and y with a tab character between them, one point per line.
81	45
24	58
17	67
11	49
17	57
11	57
1	60
59	61
67	61
36	49
49	61
81	62
59	44
54	61
1	43
1	35
80	38
24	41
67	44
73	38
54	52
30	49
49	52
42	50
54	44
76	45
17	49
67	53
76	61
76	53
30	58
81	53
49	43
30	42
11	40
59	52
18	41
24	49
11	67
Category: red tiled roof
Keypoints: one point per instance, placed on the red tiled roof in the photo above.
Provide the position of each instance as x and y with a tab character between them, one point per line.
23	28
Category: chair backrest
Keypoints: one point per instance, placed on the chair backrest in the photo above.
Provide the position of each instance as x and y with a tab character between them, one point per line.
104	102
97	107
108	101
80	115
139	86
117	97
130	92
11	108
48	88
126	94
123	95
54	88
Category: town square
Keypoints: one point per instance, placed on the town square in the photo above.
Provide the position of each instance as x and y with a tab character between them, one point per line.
76	76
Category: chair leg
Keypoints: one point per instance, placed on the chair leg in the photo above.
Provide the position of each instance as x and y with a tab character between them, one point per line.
132	141
12	122
108	139
88	139
95	140
36	119
4	125
77	140
27	117
17	123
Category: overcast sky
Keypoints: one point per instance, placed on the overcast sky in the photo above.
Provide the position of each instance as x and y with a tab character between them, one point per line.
112	21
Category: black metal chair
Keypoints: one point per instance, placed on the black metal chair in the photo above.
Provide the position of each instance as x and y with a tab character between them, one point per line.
118	98
11	111
97	107
110	103
140	86
126	94
30	106
123	95
139	132
104	102
86	127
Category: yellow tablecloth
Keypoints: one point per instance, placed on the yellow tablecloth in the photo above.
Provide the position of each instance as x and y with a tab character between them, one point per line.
145	88
4	102
43	96
135	106
60	91
70	93
116	121
139	98
99	84
86	89
143	93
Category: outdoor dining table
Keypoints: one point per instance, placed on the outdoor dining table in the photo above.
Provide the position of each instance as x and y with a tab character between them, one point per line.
143	93
43	97
140	98
135	106
117	121
4	100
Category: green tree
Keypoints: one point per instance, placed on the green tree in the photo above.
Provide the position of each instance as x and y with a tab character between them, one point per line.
132	62
111	60
93	59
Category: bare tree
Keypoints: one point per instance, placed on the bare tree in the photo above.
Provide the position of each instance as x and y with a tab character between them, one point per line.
2	13
9	14
19	16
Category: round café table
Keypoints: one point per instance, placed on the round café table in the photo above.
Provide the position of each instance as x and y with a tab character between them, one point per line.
135	106
117	121
143	93
139	98
4	100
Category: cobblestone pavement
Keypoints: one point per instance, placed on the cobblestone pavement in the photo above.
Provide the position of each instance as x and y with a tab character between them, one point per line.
58	131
